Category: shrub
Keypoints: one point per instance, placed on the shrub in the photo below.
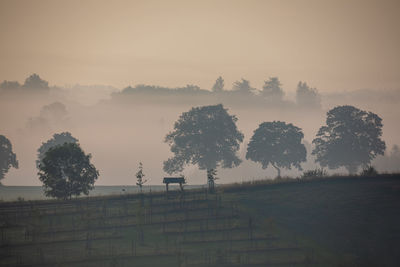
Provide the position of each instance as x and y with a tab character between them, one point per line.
369	171
314	173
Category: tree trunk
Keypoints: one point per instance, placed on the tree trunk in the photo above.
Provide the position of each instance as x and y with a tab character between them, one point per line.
278	169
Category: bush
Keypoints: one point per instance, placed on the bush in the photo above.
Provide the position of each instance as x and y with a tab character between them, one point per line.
316	173
369	171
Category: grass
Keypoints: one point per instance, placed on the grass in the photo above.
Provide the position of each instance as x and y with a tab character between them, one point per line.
336	221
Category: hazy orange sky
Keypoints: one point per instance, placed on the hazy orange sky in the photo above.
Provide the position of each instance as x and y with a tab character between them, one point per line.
333	45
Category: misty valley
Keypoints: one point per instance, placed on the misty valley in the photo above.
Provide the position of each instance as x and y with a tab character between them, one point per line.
264	180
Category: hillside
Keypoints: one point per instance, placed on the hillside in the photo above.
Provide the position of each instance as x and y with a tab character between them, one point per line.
324	222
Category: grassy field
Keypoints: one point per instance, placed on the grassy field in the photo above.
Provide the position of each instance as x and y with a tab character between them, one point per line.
344	221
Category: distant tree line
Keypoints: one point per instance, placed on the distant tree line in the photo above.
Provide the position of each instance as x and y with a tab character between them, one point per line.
271	91
32	83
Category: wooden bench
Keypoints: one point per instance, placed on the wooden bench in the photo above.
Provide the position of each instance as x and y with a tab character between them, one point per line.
174	180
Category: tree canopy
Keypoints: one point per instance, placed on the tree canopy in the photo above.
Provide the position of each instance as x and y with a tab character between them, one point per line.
278	144
351	138
8	158
66	171
57	139
206	136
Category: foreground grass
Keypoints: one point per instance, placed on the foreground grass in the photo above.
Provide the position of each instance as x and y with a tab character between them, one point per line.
343	221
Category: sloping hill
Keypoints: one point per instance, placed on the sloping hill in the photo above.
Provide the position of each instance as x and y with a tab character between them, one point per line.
325	222
357	220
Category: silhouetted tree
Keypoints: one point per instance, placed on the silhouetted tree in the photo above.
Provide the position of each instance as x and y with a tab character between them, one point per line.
278	144
206	136
139	176
219	85
58	139
272	89
35	82
307	96
351	138
66	171
8	158
211	178
243	86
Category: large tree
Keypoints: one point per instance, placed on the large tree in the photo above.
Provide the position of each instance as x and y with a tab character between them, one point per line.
206	136
278	144
8	158
57	139
351	138
66	171
272	89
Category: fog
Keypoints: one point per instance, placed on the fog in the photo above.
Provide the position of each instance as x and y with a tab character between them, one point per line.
122	127
118	75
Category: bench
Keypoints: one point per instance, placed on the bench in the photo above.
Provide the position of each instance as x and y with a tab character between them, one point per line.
174	180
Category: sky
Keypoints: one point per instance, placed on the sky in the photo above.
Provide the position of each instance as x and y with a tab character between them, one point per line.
333	45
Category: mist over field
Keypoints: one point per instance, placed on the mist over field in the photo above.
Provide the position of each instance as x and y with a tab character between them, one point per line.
122	127
117	76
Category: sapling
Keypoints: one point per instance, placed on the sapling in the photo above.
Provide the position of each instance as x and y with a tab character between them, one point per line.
139	177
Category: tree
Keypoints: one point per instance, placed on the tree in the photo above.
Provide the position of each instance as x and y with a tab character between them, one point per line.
139	177
351	138
272	89
35	82
66	171
58	139
206	136
278	144
211	178
307	96
8	158
219	85
243	86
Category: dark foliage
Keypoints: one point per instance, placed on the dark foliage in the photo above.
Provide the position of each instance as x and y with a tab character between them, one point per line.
206	136
278	144
8	158
66	171
351	138
369	171
58	139
317	173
